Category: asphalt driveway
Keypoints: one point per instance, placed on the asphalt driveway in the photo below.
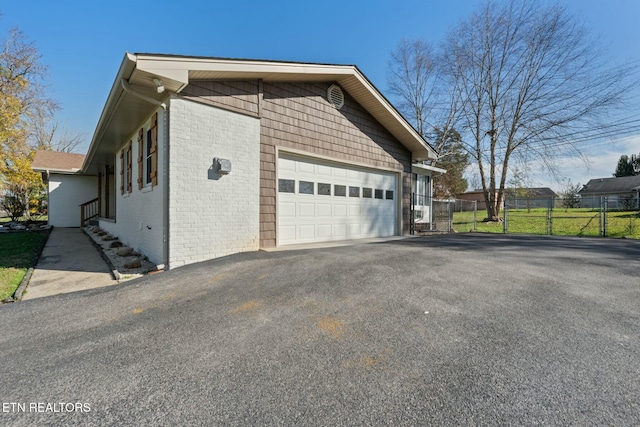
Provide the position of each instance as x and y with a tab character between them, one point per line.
440	330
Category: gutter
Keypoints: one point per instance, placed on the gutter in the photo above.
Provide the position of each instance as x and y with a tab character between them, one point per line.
128	89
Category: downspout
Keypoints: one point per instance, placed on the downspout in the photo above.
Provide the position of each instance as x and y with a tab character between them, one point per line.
165	188
165	167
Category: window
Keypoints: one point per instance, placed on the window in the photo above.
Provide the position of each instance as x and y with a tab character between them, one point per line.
389	195
154	149
340	190
126	171
305	187
148	154
324	189
367	193
122	186
286	186
379	194
148	157
354	191
140	158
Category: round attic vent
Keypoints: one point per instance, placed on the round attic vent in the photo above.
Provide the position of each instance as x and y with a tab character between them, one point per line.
335	96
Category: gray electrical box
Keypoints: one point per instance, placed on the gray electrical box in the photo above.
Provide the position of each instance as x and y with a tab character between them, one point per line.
222	166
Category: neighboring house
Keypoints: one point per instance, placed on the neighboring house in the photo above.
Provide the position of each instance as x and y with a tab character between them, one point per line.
67	187
194	158
622	192
530	197
477	196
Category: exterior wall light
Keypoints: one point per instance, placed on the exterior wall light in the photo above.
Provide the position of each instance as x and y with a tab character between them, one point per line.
159	85
222	166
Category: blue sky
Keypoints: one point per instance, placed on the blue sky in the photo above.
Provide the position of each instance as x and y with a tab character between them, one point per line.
83	42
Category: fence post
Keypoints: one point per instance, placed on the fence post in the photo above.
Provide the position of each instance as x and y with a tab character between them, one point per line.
605	217
550	217
412	220
449	217
505	226
475	215
600	218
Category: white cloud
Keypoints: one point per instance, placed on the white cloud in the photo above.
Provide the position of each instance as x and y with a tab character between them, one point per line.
601	160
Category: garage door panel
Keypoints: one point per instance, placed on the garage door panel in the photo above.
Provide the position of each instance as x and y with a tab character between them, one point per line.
339	210
324	170
287	164
340	230
324	231
354	211
306	232
313	212
339	172
287	209
306	210
287	232
323	209
355	230
306	167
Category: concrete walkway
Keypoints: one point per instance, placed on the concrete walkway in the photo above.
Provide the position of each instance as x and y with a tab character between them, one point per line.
69	263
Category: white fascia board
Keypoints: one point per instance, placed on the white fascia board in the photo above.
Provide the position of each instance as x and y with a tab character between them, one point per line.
426	169
239	65
59	171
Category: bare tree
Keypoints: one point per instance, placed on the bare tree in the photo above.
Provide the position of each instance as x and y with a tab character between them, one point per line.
415	82
412	75
527	79
45	133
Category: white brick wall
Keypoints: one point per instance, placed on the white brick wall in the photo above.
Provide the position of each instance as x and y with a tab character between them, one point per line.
66	194
138	221
211	216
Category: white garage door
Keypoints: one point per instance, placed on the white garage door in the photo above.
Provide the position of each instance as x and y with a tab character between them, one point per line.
320	201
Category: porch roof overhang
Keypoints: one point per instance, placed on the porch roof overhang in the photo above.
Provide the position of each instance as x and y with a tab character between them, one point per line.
57	162
125	110
423	169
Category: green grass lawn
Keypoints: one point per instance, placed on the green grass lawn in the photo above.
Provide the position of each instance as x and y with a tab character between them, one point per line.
16	253
22	218
569	222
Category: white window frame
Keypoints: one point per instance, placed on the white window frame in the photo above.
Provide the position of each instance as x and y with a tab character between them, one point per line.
146	159
128	171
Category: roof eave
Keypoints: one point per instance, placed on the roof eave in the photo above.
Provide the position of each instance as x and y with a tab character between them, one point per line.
179	69
58	171
176	71
428	168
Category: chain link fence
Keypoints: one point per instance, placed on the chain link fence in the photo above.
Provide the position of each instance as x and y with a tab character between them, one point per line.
604	216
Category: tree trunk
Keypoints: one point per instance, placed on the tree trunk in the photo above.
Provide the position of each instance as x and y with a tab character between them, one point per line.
493	206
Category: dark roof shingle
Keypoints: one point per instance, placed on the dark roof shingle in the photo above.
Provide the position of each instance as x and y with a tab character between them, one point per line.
623	184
